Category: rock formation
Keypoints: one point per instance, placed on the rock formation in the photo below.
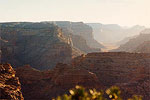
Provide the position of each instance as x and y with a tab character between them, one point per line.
113	33
139	85
28	43
143	48
80	29
41	45
81	44
125	40
10	87
130	71
133	43
45	85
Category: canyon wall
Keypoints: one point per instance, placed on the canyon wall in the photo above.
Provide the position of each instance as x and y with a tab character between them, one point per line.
133	43
46	43
10	87
40	45
113	33
80	29
143	48
45	85
129	71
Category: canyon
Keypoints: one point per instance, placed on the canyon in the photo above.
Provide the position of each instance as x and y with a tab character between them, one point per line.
79	29
41	45
51	57
29	43
114	33
135	43
129	71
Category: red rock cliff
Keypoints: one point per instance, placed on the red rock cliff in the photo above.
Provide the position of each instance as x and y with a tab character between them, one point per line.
10	87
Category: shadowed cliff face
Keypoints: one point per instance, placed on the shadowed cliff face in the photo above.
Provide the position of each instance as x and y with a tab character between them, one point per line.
45	43
39	44
82	30
130	71
81	44
10	87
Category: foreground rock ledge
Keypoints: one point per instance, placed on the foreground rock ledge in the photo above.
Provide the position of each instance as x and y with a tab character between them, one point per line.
10	87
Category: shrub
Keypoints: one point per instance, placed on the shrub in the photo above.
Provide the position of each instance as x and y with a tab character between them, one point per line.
79	93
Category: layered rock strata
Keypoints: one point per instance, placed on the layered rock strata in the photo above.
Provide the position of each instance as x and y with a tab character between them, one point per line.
10	87
129	71
39	44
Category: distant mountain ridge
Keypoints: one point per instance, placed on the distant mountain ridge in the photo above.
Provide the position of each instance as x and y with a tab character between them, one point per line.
113	33
143	48
134	42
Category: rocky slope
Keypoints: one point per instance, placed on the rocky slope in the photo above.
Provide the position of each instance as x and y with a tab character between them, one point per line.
80	29
133	43
10	87
43	85
125	40
143	48
113	33
81	44
41	45
130	71
139	85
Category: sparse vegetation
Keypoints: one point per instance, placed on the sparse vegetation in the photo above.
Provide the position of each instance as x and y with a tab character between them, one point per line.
80	93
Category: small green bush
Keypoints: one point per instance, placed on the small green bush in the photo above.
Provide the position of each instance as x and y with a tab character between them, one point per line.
79	93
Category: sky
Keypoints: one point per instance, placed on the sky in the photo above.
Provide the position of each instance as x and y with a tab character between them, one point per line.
122	12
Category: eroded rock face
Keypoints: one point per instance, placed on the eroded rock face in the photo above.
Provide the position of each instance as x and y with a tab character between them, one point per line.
143	48
81	44
113	33
10	87
133	43
45	85
140	86
41	45
82	30
130	71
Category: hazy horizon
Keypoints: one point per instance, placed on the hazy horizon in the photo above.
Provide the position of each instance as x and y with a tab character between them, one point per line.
122	12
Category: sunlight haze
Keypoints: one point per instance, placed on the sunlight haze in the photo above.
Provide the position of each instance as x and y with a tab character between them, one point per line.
122	12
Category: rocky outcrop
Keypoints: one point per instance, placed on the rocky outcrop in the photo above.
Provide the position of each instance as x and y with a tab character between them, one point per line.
45	85
113	33
10	87
143	48
81	44
133	43
82	30
140	86
125	40
41	45
130	71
